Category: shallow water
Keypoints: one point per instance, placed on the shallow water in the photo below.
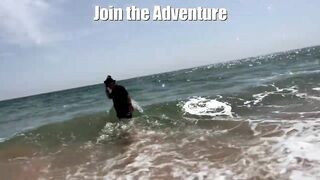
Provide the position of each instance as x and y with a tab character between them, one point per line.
256	118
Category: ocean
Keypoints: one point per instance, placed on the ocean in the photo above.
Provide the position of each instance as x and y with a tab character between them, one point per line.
254	118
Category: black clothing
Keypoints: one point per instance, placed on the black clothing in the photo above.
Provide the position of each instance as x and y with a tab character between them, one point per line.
121	101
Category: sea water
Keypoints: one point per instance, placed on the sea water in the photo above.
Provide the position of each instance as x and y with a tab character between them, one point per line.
255	118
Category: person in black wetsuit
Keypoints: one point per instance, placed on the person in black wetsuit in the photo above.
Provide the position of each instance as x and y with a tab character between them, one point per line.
120	97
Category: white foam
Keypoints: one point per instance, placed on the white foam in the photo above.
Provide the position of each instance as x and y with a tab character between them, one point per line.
306	72
136	106
145	161
260	96
302	146
300	175
294	154
306	96
159	155
114	131
314	97
206	107
316	88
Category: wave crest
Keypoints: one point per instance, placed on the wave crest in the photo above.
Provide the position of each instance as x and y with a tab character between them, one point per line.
206	107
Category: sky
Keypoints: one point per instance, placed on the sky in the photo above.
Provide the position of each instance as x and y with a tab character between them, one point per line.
53	45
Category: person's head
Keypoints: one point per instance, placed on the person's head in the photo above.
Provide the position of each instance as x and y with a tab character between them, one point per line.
109	82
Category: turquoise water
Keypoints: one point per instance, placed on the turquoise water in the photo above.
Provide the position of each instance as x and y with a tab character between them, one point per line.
251	118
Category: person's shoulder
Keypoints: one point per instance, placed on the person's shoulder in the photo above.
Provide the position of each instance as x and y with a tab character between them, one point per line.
120	87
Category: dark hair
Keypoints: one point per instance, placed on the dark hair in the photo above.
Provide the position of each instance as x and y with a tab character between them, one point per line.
109	80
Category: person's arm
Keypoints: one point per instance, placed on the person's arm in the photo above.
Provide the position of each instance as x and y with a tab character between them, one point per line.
108	93
125	93
131	109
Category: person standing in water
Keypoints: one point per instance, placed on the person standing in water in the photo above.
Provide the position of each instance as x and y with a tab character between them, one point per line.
120	97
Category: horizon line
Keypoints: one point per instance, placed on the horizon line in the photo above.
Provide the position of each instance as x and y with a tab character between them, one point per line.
146	75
